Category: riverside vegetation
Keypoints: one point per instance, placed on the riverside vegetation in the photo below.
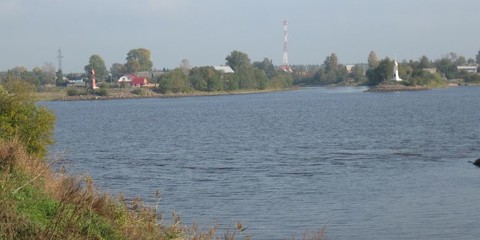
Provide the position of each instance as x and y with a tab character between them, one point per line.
38	202
247	77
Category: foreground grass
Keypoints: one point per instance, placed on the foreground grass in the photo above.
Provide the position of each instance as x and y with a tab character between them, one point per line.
37	203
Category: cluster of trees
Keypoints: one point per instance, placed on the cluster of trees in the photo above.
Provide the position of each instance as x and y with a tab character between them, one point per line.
22	120
257	75
247	75
414	72
331	72
137	60
39	76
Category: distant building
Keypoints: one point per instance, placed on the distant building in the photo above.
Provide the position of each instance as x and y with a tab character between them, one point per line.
224	69
430	70
139	81
76	83
133	80
469	69
349	67
125	79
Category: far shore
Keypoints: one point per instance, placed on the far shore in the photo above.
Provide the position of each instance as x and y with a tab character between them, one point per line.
127	93
397	88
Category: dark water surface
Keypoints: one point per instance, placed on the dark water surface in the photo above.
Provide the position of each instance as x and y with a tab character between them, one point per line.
365	165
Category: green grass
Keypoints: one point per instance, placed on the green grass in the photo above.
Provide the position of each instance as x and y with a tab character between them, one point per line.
37	203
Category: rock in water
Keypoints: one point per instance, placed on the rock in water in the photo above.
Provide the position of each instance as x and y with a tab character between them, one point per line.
477	162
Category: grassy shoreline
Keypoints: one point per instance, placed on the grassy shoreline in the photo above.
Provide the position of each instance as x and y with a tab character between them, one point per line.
37	202
138	93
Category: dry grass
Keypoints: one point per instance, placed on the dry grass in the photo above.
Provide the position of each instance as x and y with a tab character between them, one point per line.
75	209
77	202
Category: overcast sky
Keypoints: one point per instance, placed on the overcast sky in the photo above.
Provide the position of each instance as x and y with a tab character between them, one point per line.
206	31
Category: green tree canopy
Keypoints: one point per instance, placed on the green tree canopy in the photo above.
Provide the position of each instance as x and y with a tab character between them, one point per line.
478	57
98	65
47	75
266	66
331	63
139	60
206	79
174	81
118	70
358	73
372	60
21	119
424	62
383	72
21	73
237	60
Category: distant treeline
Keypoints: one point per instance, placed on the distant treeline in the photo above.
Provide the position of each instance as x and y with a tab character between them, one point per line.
422	72
259	75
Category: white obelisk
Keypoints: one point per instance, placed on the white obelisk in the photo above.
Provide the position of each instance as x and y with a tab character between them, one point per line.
395	72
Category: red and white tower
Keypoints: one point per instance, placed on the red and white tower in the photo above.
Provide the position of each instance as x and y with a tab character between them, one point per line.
285	67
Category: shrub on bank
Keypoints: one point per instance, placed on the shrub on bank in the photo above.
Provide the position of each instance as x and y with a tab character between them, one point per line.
100	92
21	119
138	91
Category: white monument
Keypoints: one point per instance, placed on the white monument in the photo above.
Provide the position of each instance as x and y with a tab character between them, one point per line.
395	72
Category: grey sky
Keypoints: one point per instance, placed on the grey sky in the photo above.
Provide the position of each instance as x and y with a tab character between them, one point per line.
206	31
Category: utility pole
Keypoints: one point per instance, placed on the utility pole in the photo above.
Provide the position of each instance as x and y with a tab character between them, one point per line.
285	67
60	59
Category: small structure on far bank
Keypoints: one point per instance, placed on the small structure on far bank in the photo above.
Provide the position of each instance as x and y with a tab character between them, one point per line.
468	69
224	69
132	80
395	72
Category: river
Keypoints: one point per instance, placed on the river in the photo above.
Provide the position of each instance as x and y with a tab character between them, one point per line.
363	165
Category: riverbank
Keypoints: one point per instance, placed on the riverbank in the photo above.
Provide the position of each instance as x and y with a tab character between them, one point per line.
137	93
396	88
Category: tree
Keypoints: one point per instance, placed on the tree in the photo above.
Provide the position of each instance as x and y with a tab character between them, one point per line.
23	120
198	79
358	73
139	60
478	57
471	62
424	62
331	63
447	66
132	66
244	70
98	65
118	70
206	79
461	61
59	78
48	70
266	66
237	60
261	78
381	73
246	77
372	60
174	81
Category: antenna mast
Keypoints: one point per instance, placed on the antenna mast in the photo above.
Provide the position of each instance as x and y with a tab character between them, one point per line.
60	59
285	67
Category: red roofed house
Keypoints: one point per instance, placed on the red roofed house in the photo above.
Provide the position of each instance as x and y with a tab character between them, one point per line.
133	80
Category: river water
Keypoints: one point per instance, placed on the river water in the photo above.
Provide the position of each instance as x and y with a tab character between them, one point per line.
363	165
